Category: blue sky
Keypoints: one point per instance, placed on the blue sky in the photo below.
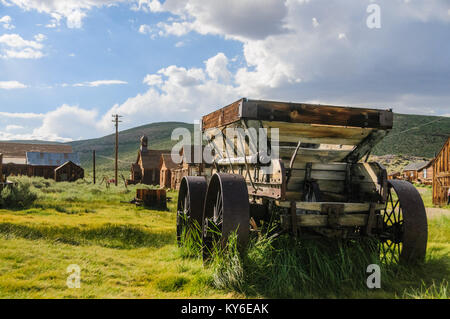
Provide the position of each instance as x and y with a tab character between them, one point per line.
66	66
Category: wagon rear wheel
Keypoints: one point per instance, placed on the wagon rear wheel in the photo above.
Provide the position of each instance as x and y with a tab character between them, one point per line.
405	231
226	210
190	206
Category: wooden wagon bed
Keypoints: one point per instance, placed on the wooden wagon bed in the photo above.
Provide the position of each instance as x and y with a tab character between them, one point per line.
344	133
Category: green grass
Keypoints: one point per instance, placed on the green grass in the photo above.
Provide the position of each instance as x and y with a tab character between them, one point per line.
126	251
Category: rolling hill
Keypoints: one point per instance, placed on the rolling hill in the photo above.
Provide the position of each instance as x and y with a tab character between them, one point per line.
412	136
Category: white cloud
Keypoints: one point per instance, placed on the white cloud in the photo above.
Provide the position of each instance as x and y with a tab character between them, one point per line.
10	85
145	29
153	79
148	6
315	23
16	41
13	127
26	116
14	46
233	18
40	37
100	83
74	11
217	68
180	44
67	123
5	22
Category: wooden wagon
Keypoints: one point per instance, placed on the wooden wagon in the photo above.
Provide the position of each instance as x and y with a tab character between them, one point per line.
318	184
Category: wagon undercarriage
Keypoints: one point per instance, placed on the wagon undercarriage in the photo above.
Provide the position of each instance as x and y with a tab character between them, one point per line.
312	181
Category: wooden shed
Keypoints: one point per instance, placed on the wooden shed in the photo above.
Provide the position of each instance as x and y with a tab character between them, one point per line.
146	168
15	161
425	173
42	164
441	175
68	172
166	167
418	172
395	175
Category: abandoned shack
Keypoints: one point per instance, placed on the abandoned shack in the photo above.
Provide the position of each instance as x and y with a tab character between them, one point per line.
68	172
441	177
45	165
15	157
419	172
146	168
394	175
166	167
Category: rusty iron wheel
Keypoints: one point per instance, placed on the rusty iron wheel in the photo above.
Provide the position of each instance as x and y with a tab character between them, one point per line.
226	210
405	231
191	197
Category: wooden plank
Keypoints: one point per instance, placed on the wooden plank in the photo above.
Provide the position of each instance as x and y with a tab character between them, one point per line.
224	116
307	155
316	114
324	185
317	206
317	134
309	220
299	174
299	113
321	166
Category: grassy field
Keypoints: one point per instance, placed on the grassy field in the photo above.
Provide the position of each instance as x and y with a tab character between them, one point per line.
126	251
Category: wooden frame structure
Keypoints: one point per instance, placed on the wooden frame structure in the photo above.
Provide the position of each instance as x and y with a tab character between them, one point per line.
441	175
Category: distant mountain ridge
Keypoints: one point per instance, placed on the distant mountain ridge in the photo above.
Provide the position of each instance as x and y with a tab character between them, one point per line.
412	135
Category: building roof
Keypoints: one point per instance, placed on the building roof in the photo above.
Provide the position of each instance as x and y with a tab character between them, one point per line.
14	160
17	150
417	166
150	158
51	159
65	164
168	162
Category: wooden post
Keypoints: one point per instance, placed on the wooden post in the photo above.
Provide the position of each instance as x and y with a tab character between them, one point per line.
93	161
1	168
116	165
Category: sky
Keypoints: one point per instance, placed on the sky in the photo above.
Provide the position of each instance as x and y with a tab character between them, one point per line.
67	65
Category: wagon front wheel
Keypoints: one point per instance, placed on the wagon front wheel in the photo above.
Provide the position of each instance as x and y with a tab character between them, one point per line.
404	226
226	211
190	206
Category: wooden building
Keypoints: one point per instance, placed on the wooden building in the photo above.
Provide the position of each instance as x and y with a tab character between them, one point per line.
166	167
15	157
425	174
419	172
395	175
146	168
42	164
68	172
441	177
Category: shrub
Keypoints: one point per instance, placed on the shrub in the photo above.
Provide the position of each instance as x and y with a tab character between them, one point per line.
17	196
